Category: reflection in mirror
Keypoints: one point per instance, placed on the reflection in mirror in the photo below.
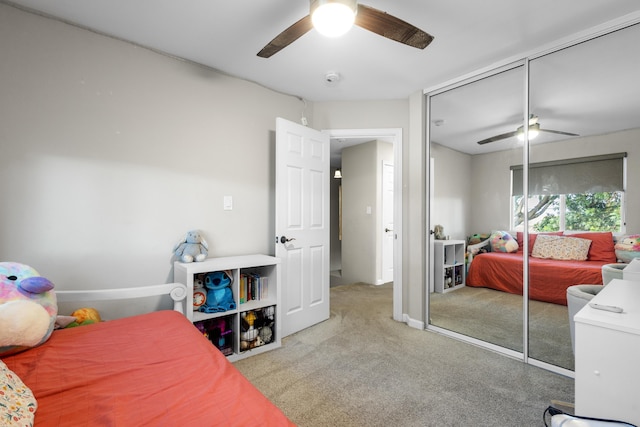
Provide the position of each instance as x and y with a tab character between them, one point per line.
576	183
471	185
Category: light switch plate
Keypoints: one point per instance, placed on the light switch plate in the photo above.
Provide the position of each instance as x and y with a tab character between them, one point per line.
228	203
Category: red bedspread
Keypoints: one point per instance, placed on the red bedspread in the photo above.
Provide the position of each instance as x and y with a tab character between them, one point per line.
548	279
149	370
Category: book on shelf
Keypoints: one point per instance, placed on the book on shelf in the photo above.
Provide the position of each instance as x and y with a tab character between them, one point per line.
253	287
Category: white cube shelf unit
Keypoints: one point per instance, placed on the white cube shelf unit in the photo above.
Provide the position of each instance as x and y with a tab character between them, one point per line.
228	330
449	265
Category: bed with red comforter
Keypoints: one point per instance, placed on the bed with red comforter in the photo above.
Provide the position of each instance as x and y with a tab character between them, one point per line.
153	369
548	278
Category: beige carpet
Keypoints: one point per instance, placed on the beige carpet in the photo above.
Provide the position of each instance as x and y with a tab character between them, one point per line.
496	317
362	368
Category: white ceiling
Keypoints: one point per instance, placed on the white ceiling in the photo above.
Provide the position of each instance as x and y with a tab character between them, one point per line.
227	34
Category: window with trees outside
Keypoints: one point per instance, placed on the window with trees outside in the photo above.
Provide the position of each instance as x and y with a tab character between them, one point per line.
585	194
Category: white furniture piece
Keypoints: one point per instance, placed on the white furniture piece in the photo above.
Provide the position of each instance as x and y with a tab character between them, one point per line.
607	369
238	266
177	292
564	420
449	268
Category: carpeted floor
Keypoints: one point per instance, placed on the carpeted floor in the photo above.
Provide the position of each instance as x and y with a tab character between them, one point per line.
362	368
496	317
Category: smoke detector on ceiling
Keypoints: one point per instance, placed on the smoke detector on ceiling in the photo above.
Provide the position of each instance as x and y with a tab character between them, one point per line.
332	78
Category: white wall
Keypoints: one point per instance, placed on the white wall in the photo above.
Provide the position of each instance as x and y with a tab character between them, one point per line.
490	194
359	213
110	152
450	204
361	210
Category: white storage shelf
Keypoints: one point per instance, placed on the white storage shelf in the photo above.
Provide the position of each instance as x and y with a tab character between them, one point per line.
449	267
265	266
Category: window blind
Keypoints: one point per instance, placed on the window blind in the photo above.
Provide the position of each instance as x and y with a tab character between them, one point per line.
594	174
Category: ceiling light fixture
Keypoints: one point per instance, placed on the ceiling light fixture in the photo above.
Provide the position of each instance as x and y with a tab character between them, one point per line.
333	18
534	131
337	174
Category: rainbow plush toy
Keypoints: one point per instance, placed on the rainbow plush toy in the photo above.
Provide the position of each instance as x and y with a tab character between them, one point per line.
501	241
28	308
628	248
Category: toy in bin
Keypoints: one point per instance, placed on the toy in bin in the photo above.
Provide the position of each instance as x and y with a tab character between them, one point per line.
256	328
218	332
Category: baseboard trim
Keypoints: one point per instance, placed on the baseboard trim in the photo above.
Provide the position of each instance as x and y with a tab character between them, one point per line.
417	324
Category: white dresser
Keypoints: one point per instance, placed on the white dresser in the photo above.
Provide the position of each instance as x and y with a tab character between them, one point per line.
608	355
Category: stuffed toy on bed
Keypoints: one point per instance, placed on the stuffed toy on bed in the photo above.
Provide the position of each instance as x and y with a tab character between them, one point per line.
28	308
501	241
628	248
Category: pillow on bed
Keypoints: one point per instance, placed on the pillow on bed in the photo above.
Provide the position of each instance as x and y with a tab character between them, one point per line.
16	399
501	241
561	248
532	239
602	246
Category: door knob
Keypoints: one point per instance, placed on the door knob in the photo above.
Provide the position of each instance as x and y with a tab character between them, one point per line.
386	230
284	240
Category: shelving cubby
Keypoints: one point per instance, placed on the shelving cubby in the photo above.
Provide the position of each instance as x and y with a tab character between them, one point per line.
449	265
236	341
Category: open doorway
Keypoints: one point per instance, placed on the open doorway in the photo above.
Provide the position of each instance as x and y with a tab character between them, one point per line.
344	138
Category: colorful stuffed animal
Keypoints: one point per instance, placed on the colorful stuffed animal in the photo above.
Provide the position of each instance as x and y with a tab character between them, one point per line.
219	294
501	241
192	248
28	308
628	248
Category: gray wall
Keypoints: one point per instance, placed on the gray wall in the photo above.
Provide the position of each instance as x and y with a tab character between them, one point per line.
111	152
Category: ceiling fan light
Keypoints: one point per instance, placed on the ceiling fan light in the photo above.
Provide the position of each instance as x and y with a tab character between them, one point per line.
333	18
534	131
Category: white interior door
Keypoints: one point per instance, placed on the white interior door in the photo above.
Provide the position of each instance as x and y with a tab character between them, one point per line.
302	224
387	222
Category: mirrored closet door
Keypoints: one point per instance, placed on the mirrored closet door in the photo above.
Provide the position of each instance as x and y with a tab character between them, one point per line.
546	146
585	101
471	187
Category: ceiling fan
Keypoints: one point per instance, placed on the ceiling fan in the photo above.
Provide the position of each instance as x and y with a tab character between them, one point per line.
363	16
534	130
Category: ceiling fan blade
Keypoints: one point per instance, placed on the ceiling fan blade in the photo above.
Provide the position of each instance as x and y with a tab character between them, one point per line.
498	137
287	37
391	27
559	132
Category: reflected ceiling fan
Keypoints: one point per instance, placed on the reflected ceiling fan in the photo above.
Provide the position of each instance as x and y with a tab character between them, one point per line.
534	130
363	16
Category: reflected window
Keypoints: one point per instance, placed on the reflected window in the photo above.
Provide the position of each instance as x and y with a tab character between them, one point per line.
582	194
572	212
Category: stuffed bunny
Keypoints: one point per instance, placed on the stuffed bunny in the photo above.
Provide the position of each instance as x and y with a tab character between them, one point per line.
192	248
